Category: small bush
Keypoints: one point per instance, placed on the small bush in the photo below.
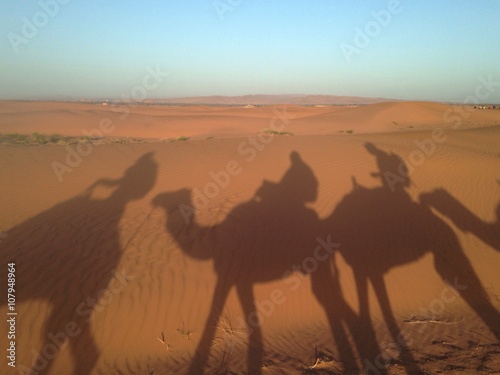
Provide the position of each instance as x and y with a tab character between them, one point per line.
270	131
86	138
17	138
55	138
38	138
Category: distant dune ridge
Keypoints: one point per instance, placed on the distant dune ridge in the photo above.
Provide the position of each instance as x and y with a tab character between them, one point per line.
261	99
371	233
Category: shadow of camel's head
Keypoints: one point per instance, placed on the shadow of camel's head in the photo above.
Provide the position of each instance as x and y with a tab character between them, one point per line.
139	178
170	201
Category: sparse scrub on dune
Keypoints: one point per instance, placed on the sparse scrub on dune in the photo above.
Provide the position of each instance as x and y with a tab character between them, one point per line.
349	131
86	138
274	132
56	138
186	334
180	138
38	138
323	363
229	337
15	138
228	332
35	138
164	341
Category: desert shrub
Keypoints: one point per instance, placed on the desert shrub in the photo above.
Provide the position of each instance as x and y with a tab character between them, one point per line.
38	138
270	131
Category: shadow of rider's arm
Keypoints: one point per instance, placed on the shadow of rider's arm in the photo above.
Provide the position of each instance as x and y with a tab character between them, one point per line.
462	217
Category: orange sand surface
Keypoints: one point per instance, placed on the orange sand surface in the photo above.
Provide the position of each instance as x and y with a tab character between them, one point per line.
314	253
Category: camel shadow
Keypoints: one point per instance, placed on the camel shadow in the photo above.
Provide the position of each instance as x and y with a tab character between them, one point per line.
378	229
382	228
68	257
259	240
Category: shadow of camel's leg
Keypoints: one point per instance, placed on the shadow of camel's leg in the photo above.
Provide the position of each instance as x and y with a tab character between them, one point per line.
65	331
405	354
255	344
84	350
51	349
202	351
362	289
465	281
365	337
327	290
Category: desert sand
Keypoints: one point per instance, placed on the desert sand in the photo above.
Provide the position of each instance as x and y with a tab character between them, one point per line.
366	241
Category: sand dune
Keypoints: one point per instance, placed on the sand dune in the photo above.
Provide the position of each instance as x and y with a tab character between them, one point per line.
389	117
227	256
77	119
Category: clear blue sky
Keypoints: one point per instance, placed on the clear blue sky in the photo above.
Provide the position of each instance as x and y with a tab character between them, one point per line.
97	48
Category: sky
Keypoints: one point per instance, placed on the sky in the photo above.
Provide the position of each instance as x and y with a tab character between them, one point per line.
400	49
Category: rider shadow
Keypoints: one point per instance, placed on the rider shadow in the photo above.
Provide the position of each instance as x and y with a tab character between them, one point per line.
382	228
70	253
265	238
258	241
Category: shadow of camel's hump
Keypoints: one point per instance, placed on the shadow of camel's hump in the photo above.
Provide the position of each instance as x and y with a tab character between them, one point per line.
380	229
